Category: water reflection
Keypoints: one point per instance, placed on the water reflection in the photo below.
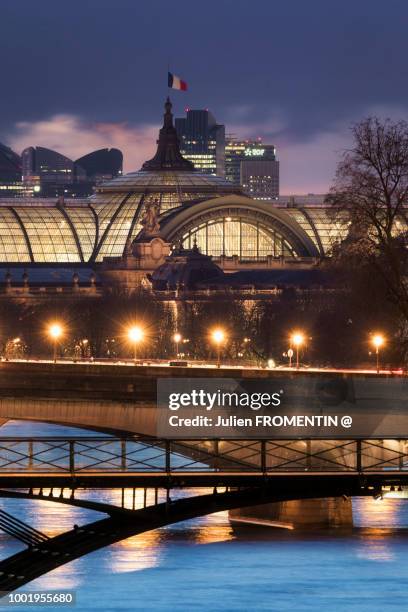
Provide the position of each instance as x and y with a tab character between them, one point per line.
379	512
375	545
66	577
211	533
136	553
360	570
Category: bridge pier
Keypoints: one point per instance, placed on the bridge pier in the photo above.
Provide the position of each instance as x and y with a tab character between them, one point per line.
325	513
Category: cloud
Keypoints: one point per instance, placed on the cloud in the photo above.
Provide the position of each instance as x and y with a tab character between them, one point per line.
307	165
72	137
240	121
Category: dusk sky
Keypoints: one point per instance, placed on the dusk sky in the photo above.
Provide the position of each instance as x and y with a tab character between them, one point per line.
86	74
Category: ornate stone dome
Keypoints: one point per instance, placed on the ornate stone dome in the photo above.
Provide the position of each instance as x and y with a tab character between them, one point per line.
167	177
189	208
167	180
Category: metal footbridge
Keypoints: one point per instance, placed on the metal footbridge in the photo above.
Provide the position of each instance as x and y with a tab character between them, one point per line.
239	472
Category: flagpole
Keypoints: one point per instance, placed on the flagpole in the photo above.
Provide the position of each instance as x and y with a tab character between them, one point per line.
168	86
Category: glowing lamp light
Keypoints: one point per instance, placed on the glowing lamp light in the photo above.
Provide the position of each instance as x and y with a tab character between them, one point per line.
218	336
177	337
378	341
135	334
298	338
55	331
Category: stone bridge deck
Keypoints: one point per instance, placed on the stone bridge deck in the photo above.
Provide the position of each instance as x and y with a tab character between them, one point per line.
118	398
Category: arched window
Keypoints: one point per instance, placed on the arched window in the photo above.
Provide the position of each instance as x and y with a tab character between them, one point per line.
228	236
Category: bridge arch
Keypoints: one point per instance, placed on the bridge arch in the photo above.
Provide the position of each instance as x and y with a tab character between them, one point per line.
25	566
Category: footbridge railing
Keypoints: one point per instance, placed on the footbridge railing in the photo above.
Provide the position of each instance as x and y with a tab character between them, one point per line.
141	454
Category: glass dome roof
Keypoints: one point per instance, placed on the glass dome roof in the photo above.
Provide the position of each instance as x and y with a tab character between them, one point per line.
167	172
106	224
167	179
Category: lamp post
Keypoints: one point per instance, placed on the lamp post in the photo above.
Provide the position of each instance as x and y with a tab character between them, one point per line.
378	341
135	335
177	339
55	332
218	337
297	340
290	355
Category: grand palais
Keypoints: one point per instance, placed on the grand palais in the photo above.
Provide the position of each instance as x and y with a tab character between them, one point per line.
141	223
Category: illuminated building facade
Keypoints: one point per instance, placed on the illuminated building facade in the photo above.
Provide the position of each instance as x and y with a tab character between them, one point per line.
202	141
50	174
131	223
99	166
254	166
11	184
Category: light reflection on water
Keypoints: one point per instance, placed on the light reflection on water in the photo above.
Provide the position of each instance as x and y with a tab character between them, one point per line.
207	564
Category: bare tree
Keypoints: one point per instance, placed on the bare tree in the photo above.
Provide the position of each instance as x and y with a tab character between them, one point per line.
370	192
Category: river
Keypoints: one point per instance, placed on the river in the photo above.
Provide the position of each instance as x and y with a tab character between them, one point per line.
206	564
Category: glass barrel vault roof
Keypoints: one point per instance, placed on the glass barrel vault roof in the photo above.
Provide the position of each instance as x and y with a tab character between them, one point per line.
104	225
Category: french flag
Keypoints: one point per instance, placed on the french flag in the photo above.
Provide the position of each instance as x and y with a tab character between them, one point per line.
174	82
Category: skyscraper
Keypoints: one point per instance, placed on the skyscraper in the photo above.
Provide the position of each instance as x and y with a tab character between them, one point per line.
51	173
10	173
234	154
202	141
254	166
101	165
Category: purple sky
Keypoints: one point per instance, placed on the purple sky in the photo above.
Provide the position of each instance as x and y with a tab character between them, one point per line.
92	73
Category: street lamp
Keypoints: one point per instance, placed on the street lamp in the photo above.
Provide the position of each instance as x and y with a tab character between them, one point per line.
290	355
378	341
55	332
297	340
135	336
218	337
177	339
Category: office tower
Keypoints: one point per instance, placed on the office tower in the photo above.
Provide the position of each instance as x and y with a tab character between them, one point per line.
101	165
234	154
253	165
51	174
48	172
202	141
10	173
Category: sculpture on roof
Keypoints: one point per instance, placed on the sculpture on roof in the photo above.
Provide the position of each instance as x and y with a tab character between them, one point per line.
150	219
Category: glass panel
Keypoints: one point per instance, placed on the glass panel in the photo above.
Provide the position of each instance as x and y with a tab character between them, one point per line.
50	235
13	245
237	236
115	241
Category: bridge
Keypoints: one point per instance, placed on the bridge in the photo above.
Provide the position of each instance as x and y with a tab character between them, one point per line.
240	473
121	400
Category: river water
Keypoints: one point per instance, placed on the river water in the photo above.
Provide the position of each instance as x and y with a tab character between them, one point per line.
206	564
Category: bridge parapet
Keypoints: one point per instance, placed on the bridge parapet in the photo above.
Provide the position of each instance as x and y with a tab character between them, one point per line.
109	455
